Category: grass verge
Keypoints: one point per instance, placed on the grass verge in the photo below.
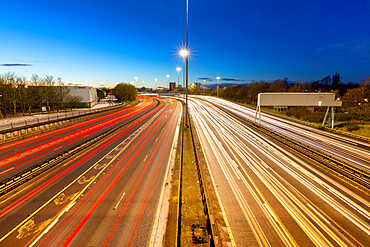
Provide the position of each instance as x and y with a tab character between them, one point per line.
193	218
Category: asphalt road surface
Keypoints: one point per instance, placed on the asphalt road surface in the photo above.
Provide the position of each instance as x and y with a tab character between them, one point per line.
107	195
350	150
270	197
20	155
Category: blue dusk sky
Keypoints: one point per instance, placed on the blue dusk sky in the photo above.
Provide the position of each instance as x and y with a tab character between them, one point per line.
107	42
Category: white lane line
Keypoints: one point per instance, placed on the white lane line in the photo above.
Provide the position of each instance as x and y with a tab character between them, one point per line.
11	168
119	201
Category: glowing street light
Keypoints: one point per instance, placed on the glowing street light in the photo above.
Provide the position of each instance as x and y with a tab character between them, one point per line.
218	83
156	84
204	86
184	53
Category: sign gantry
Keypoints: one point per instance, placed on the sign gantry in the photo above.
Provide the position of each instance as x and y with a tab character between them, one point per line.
298	99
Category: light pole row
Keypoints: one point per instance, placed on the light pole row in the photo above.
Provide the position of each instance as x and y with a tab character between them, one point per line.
156	81
218	84
178	69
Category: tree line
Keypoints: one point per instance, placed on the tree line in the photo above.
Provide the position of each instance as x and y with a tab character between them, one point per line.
351	94
19	94
125	92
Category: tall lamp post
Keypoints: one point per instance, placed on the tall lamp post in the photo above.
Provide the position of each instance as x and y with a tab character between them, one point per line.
183	71
168	80
187	60
218	84
156	84
183	53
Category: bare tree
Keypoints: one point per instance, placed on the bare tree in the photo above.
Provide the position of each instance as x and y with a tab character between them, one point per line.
62	93
48	82
36	91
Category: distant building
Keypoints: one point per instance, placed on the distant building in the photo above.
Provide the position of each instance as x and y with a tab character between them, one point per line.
172	86
88	94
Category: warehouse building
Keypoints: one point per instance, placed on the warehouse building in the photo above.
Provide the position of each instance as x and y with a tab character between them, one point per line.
88	94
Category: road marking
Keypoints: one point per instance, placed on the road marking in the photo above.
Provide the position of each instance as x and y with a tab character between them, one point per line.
119	201
146	157
30	228
65	188
11	168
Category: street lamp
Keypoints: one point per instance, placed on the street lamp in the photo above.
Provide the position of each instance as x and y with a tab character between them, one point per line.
156	84
218	84
204	85
184	53
178	75
187	60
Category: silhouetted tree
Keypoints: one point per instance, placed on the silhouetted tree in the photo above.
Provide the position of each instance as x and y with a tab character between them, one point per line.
326	81
278	86
125	92
17	94
335	81
365	89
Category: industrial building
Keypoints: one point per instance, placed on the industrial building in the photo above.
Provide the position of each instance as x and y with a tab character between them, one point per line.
88	95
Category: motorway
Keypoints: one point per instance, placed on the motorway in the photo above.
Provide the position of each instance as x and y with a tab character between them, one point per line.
347	149
23	154
270	196
108	194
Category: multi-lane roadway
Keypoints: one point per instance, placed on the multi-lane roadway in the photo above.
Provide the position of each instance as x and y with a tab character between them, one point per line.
112	192
347	149
270	197
108	194
23	154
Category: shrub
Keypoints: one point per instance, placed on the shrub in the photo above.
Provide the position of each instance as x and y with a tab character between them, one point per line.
352	126
125	92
